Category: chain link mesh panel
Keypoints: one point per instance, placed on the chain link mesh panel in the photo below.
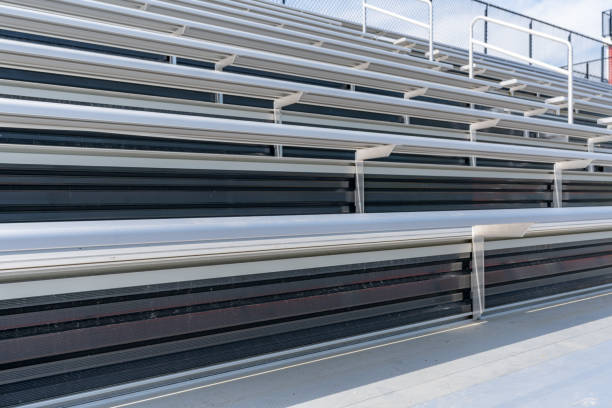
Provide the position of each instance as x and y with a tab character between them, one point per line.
451	26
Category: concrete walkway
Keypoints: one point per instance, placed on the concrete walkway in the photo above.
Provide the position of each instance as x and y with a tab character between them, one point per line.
557	356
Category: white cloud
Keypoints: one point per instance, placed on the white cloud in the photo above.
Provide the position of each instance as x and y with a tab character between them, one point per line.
583	16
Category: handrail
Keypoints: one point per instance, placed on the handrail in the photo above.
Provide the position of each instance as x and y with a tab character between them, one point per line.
570	57
366	6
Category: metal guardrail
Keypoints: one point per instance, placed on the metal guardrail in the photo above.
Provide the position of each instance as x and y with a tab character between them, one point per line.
429	26
568	72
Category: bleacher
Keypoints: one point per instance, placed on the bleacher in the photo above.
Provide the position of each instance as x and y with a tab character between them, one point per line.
191	182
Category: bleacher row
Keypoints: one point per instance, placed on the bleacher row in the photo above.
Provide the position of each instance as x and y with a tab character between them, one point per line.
190	182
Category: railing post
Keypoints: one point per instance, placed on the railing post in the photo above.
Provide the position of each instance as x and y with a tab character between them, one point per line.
530	40
471	52
587	70
602	63
364	17
486	28
431	30
570	83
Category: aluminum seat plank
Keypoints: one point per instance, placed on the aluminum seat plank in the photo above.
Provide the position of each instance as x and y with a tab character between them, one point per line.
46	115
36	22
272	40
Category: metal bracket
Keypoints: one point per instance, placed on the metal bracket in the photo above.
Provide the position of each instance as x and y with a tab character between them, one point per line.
607	122
278	150
279	104
558	177
483	88
176	33
477	281
404	42
477	71
535	112
590	97
474	127
219	66
363	65
513	85
560	101
485	124
361	155
179	31
591	142
287	100
225	62
415	92
437	56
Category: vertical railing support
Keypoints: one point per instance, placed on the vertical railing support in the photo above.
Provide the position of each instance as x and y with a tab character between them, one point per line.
486	28
530	40
602	59
364	16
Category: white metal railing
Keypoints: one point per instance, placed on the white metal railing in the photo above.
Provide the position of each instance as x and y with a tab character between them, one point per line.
429	27
570	62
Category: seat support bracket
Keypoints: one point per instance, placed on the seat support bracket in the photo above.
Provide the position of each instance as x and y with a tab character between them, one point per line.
279	104
591	142
558	177
477	276
361	155
475	127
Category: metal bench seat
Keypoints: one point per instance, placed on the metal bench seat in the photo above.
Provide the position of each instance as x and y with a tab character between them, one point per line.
65	61
24	114
232	31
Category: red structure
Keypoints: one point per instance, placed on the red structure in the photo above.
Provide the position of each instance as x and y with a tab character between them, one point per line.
610	64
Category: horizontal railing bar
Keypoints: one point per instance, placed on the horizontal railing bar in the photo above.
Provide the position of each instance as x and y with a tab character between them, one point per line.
521	57
398	16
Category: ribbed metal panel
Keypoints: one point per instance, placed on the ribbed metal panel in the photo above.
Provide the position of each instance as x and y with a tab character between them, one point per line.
59	341
40	193
387	193
32	193
203	323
